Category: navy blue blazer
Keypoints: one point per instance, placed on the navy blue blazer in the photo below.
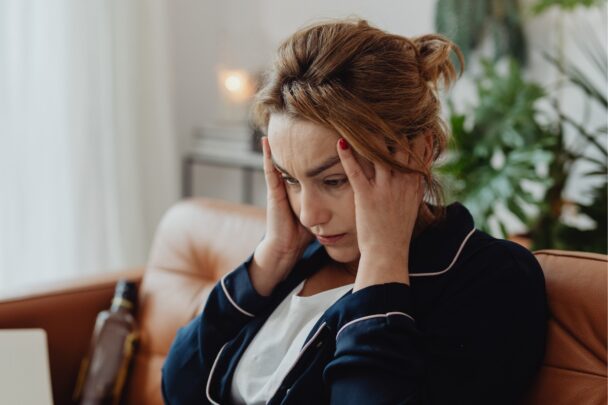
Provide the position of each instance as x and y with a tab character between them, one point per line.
470	329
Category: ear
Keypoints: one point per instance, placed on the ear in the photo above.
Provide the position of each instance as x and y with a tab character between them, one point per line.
422	146
427	156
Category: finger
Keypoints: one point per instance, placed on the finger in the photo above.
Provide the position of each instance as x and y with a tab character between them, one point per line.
409	177
383	173
353	170
369	171
271	175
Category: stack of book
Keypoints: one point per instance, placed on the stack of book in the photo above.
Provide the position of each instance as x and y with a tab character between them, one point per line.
222	140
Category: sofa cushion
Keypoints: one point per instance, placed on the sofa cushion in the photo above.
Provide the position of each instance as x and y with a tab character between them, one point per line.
574	370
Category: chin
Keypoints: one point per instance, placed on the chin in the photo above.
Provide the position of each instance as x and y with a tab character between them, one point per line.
343	254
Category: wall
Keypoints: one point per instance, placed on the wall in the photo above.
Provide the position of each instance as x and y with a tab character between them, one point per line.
243	34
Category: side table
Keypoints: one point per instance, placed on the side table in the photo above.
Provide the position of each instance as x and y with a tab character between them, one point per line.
248	161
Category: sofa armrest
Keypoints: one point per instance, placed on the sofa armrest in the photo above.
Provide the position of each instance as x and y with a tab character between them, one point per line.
66	311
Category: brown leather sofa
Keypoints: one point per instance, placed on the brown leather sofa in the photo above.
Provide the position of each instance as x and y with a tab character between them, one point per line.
199	240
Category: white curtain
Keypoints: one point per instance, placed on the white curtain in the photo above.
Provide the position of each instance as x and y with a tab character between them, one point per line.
88	157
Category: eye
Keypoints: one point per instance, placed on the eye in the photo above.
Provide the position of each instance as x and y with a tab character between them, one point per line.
289	180
335	182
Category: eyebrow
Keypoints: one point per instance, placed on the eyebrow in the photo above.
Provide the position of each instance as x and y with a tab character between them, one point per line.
329	162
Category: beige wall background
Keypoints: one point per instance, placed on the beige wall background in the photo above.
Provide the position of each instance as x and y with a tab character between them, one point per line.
205	35
243	35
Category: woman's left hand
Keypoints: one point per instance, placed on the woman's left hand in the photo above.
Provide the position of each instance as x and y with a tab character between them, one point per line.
386	208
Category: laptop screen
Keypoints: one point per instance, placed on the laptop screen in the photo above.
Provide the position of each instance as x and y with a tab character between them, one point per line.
25	377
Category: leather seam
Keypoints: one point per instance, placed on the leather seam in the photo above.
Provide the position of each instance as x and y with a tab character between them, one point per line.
574	371
570	256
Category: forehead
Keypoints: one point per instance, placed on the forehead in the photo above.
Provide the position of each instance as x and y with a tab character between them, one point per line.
299	143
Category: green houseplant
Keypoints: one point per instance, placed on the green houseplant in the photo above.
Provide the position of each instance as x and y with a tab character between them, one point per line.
496	144
590	146
506	143
469	22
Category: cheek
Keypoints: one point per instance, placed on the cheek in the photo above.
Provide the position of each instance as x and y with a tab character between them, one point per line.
347	207
294	201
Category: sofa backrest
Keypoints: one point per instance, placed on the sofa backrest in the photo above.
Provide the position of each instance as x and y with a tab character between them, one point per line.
574	369
199	240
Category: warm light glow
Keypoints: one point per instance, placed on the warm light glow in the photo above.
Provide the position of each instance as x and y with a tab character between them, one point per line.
234	83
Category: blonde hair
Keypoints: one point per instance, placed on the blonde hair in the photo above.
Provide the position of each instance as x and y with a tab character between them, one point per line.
375	89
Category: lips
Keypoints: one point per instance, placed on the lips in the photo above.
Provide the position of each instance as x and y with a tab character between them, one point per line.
329	239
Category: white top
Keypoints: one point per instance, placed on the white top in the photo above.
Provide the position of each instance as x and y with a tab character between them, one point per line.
275	348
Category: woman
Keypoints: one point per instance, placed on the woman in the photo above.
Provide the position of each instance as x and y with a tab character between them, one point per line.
365	289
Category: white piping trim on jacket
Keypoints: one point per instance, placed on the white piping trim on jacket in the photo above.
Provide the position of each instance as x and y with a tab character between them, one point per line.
453	260
305	347
363	318
210	374
232	301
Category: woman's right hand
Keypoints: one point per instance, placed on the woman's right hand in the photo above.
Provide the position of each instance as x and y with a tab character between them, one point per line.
285	238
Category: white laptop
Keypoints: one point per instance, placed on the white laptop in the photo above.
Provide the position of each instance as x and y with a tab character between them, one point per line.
25	377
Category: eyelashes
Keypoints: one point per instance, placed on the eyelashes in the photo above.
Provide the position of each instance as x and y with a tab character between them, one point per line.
335	182
289	180
331	183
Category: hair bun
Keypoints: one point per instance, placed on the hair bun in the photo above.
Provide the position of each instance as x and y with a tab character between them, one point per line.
434	58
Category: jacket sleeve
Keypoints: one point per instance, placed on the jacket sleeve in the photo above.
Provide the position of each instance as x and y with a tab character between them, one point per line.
483	339
232	303
378	356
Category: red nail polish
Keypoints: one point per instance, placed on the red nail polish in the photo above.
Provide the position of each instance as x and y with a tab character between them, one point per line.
343	144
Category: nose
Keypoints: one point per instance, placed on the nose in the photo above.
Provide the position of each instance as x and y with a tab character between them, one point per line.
313	209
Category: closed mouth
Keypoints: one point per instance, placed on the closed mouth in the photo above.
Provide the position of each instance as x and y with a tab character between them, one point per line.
328	239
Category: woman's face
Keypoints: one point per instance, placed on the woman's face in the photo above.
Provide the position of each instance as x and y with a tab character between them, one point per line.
317	187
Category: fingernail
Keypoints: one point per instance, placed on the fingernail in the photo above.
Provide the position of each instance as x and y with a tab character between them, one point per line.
343	144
